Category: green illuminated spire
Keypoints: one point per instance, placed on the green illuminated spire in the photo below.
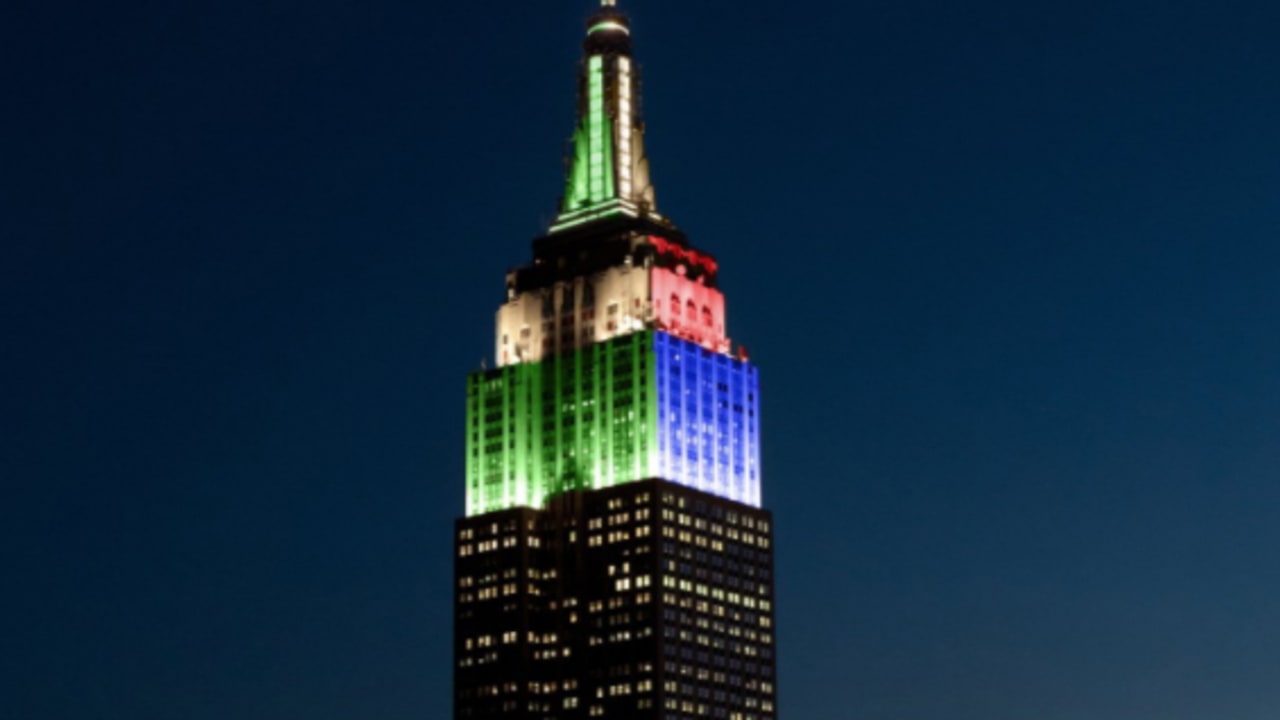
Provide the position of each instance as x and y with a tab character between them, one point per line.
608	173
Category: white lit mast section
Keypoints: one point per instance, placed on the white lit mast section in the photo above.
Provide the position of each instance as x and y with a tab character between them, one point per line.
625	129
609	173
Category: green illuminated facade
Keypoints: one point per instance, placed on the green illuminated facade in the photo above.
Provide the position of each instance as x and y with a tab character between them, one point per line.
580	420
592	179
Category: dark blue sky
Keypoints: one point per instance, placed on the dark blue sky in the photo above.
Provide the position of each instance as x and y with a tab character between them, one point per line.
1009	269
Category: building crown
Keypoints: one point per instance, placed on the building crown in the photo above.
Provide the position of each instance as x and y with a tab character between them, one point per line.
608	170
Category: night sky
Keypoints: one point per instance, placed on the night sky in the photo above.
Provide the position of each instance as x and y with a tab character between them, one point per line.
1010	272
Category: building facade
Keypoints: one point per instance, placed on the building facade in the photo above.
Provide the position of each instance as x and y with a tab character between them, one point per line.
614	559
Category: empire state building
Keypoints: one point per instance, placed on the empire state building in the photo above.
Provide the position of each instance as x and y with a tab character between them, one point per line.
614	559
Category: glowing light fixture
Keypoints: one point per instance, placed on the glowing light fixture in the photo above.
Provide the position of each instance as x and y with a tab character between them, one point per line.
608	26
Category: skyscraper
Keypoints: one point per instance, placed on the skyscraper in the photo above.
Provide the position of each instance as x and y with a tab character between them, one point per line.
614	560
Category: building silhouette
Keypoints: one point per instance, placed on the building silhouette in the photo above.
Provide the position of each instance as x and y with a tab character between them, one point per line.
614	560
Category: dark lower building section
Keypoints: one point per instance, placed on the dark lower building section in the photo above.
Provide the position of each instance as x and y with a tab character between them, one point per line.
644	600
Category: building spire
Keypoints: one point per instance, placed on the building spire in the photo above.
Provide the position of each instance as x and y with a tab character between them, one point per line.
608	170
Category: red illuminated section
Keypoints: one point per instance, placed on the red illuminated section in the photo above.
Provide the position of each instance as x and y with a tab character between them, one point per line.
683	303
695	263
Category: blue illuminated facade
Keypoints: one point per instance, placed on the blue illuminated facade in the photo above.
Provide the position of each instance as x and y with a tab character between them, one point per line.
708	420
